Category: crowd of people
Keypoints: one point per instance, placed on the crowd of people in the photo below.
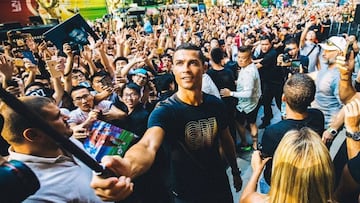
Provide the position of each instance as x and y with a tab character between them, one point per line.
187	86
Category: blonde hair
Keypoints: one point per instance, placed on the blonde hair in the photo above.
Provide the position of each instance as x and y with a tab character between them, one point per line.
302	169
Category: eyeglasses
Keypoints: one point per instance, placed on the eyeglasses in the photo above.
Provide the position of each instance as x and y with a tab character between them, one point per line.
85	96
330	43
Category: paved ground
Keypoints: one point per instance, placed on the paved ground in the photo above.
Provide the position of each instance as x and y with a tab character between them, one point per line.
244	159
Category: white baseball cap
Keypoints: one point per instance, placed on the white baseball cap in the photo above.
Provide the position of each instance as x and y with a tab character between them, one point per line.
334	44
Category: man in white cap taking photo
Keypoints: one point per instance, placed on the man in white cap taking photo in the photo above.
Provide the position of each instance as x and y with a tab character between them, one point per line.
327	88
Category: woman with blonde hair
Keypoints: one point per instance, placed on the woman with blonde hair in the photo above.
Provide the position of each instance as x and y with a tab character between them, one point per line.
302	171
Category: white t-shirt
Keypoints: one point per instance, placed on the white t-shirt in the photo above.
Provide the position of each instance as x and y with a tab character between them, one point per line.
78	116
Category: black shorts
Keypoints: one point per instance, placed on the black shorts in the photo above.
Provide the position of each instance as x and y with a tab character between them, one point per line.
250	117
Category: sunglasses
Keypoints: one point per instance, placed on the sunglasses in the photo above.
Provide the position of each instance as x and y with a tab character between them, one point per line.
330	43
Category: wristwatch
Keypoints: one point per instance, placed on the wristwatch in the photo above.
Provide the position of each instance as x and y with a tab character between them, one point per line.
355	136
332	131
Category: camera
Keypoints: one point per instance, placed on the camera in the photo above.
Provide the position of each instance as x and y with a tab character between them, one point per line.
75	48
286	55
17	181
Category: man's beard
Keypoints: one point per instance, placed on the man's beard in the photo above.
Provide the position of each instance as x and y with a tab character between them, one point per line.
331	61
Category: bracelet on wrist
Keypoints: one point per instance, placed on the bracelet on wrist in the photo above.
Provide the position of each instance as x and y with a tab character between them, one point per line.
67	74
332	131
353	135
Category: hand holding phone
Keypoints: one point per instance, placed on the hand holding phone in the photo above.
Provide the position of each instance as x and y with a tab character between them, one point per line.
295	66
106	81
18	62
51	66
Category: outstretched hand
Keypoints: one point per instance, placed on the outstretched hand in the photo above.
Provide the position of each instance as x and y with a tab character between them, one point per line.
113	188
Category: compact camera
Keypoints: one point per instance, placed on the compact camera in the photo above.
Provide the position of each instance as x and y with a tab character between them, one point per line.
286	56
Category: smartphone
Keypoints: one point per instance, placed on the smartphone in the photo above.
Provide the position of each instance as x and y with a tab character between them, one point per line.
51	64
29	55
18	62
295	66
106	81
160	51
12	83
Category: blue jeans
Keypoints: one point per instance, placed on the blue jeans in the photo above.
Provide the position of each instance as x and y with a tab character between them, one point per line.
263	186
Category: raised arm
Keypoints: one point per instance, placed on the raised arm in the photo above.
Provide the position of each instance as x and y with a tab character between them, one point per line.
105	61
348	92
87	55
136	161
68	67
303	34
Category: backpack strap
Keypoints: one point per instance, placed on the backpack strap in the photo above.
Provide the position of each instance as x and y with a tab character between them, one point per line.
315	45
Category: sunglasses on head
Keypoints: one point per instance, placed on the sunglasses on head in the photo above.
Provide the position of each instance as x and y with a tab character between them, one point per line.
330	43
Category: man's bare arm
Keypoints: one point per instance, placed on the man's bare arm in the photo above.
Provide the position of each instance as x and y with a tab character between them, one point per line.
142	155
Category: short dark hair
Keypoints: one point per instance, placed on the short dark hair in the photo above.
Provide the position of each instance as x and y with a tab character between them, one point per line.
79	87
243	49
41	85
121	58
132	86
99	74
217	55
299	92
292	41
14	123
265	37
189	46
42	77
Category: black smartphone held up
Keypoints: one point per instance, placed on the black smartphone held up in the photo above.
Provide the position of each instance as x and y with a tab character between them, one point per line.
12	83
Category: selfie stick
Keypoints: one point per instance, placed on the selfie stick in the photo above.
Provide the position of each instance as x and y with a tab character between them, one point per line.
35	120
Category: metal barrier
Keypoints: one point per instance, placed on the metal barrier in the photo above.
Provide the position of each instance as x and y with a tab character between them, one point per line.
351	28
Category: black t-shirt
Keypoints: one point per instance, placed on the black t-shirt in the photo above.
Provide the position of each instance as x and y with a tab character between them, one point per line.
269	73
274	133
225	78
354	168
192	144
135	122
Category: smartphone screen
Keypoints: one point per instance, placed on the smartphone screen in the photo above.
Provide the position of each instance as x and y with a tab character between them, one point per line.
295	64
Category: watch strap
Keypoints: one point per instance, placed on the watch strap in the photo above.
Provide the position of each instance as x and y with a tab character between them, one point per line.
355	136
332	131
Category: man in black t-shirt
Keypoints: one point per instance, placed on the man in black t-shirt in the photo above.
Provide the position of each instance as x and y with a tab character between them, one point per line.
191	126
224	78
299	92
